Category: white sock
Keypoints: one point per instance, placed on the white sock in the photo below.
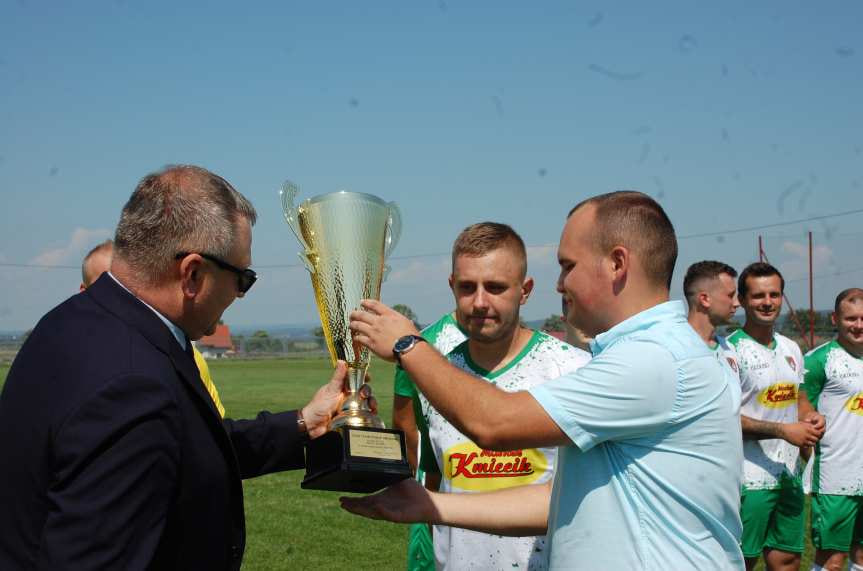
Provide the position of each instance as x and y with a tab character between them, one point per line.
855	567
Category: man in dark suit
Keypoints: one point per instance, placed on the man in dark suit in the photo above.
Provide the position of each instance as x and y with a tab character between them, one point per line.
114	454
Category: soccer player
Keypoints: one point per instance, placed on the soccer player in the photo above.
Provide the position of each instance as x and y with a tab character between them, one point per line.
489	282
444	335
834	384
711	294
648	434
771	370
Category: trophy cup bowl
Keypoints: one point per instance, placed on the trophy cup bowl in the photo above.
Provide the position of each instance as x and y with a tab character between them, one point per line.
346	238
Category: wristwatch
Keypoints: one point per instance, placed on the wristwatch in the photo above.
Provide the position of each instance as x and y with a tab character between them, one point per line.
404	345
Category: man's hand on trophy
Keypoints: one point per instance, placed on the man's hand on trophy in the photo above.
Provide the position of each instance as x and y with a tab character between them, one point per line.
405	502
326	402
378	327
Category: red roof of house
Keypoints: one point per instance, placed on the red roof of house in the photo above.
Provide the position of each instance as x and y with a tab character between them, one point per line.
220	339
561	335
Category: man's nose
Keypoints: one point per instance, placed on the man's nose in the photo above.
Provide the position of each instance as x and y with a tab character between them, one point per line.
480	299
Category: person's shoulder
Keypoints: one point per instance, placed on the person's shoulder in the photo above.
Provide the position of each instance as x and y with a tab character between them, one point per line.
787	344
645	355
821	351
563	352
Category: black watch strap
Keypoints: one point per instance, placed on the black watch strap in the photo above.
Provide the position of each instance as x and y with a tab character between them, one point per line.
404	345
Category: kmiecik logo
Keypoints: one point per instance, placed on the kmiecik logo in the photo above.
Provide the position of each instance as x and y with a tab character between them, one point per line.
469	467
780	395
855	404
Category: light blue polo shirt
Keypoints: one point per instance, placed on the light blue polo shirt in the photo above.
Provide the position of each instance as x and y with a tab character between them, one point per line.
653	479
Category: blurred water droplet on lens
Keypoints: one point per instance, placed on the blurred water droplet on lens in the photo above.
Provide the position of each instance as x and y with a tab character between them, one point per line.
53	171
542	172
844	51
354	102
596	20
686	44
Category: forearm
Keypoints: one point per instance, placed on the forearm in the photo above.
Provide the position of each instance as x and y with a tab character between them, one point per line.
268	443
478	409
804	407
513	512
760	429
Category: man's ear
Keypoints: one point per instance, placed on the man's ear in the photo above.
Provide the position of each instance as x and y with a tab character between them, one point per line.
833	318
704	299
526	288
191	275
451	281
619	260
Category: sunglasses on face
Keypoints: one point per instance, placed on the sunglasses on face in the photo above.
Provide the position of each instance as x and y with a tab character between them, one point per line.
245	278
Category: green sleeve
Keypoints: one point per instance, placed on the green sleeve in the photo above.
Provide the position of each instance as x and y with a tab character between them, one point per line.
403	386
813	382
428	462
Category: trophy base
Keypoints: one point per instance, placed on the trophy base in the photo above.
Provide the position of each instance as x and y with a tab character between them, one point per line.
356	459
356	418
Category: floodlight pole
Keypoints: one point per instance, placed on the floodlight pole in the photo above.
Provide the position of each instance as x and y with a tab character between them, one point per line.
811	298
760	249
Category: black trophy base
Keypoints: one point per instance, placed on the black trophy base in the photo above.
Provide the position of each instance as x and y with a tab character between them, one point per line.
354	459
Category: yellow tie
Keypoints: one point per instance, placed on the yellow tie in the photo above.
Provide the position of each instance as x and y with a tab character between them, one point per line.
208	381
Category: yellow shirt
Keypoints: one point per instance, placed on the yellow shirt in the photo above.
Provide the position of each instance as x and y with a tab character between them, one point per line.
208	381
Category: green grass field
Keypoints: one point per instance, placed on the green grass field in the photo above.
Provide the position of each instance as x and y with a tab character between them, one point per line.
290	528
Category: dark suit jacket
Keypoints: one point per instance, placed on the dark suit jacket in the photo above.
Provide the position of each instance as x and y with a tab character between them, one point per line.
113	454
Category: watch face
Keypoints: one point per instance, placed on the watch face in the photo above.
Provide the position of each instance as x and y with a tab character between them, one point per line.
404	343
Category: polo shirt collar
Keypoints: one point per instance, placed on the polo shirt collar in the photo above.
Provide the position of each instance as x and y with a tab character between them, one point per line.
639	321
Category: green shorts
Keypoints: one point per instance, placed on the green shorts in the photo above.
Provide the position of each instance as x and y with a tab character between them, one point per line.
772	519
837	522
420	548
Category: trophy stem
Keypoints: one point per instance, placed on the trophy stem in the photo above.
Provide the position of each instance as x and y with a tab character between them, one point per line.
355	410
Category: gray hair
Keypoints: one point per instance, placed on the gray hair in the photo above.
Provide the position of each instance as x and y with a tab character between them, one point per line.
181	208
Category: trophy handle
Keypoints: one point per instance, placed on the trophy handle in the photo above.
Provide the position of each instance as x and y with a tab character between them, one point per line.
288	193
394	232
394	229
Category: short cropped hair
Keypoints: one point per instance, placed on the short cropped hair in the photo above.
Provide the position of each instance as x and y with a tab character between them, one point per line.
704	270
479	239
181	208
851	295
634	220
105	246
758	270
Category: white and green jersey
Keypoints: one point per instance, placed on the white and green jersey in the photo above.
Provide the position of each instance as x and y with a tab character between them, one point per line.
834	385
769	381
727	357
467	468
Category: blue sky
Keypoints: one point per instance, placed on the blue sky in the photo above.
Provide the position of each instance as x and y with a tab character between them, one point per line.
733	115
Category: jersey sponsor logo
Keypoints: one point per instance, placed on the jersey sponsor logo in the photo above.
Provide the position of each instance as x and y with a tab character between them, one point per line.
855	404
791	362
469	467
780	395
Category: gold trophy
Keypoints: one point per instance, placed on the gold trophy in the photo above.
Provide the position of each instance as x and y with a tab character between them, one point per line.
346	238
